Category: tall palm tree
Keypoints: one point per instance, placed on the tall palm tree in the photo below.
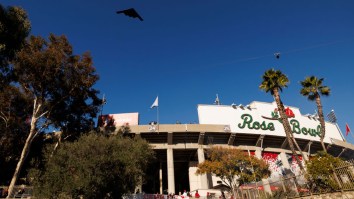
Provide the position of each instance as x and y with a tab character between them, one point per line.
312	88
273	82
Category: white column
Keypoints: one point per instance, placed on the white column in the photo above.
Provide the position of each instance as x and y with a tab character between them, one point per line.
258	153
202	178
160	175
193	178
284	160
306	156
266	186
265	182
170	171
286	165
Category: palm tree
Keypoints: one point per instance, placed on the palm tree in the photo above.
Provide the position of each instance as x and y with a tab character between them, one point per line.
273	82
312	88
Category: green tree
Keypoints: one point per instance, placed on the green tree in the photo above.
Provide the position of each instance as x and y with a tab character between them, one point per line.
14	28
320	172
59	84
273	82
234	167
96	166
313	88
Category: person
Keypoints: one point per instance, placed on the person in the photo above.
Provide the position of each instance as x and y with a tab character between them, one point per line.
185	195
197	194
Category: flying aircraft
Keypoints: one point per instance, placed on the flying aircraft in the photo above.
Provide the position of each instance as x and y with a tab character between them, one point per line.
131	12
277	55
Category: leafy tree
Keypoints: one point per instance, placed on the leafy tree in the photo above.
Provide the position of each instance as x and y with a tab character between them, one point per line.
14	28
273	82
233	166
59	84
320	172
124	130
14	109
313	88
96	166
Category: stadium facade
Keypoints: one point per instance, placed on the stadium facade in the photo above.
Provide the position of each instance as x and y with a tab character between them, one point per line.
254	128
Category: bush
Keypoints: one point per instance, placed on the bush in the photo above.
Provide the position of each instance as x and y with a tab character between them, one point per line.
320	172
95	166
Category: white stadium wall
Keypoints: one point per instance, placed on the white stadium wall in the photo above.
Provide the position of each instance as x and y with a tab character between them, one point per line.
257	118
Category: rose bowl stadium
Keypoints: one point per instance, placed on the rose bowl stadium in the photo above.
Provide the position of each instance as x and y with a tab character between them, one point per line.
254	128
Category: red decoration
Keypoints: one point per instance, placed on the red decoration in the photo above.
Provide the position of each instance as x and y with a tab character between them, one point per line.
289	112
347	129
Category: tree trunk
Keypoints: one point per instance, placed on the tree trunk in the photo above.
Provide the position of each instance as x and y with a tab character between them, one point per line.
287	128
233	192
56	145
322	122
25	151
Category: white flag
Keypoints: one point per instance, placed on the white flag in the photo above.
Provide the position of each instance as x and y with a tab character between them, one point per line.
156	103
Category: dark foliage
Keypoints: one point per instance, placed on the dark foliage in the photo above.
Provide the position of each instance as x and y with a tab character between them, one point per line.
96	166
14	28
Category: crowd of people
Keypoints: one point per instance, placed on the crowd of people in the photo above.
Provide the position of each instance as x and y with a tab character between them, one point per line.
185	195
188	195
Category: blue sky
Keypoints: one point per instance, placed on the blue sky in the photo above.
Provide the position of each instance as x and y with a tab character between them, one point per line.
187	51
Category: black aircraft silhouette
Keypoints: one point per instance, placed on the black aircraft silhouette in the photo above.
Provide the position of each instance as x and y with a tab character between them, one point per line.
130	13
277	55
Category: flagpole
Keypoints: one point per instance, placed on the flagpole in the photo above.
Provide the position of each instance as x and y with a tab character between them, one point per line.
158	123
351	134
156	104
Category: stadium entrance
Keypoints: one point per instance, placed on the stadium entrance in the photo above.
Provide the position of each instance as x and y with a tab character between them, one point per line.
158	169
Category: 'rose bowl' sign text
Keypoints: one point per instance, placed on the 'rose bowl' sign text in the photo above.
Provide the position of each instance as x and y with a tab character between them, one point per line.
263	118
